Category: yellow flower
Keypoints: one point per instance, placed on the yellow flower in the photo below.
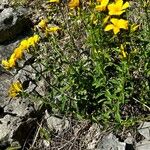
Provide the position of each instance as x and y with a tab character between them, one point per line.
73	4
5	64
8	64
124	55
12	61
117	8
15	89
32	41
36	38
52	29
102	6
24	44
18	52
43	23
116	25
53	1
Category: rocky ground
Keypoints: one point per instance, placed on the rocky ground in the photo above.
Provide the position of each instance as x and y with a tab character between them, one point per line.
24	125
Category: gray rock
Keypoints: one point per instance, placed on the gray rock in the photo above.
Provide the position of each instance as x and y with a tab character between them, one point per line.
56	124
129	139
13	22
143	145
11	119
110	142
12	113
144	130
2	2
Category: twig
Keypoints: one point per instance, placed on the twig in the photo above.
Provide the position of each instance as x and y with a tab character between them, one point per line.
142	103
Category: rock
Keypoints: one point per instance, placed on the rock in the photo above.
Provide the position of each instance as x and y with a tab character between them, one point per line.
56	124
129	142
11	117
13	22
144	129
143	145
110	142
4	1
46	143
129	139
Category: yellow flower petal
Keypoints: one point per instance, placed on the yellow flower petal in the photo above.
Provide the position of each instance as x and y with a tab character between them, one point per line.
119	3
99	8
43	23
116	30
5	64
116	25
24	44
102	6
117	8
126	5
73	4
36	38
114	21
109	27
32	41
18	52
52	29
17	86
15	89
12	62
123	24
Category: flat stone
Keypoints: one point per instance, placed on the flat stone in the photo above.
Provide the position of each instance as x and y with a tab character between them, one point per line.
143	145
144	130
110	142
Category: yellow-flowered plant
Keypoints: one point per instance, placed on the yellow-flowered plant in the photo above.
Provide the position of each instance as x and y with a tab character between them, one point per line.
117	8
116	25
32	41
73	4
14	89
18	52
102	6
24	44
8	64
52	29
43	23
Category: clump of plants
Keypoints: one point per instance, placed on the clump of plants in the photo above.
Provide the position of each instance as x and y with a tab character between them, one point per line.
93	59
